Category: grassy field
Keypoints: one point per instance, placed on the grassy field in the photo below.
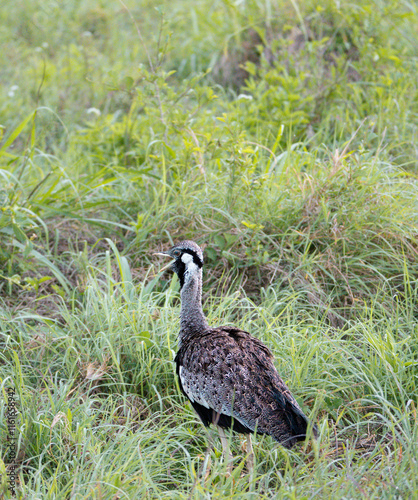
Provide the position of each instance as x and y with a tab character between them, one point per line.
280	136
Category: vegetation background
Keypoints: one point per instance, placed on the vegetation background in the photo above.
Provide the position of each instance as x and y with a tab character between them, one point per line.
282	137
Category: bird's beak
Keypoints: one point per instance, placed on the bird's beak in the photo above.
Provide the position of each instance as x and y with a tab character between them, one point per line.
164	254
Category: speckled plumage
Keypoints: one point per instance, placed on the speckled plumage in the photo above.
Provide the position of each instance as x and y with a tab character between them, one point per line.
228	375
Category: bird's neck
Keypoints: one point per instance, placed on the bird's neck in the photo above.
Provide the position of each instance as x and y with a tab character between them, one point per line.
192	319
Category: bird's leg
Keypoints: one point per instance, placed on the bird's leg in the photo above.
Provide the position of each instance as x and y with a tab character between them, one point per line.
250	457
226	451
207	464
247	448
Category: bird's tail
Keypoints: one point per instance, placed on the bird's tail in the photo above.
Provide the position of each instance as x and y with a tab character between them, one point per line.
298	424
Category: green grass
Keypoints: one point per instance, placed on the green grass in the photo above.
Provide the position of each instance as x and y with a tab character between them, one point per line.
281	136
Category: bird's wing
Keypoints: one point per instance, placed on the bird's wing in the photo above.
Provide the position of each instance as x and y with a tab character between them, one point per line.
232	373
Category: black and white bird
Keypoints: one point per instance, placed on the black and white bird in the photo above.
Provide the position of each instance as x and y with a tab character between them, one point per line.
228	375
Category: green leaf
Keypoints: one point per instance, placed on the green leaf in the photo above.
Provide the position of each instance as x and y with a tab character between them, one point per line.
211	253
220	241
20	235
128	82
16	132
44	260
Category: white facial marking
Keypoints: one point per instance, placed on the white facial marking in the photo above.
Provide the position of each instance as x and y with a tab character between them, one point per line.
191	267
186	258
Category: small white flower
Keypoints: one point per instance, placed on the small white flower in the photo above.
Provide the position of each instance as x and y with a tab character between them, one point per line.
93	111
245	96
45	45
12	90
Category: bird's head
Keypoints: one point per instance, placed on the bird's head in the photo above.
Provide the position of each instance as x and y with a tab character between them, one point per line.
187	259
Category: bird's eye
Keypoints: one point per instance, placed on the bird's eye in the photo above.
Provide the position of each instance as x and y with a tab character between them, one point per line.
176	253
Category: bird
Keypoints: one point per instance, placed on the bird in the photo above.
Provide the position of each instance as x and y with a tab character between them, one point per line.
228	375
